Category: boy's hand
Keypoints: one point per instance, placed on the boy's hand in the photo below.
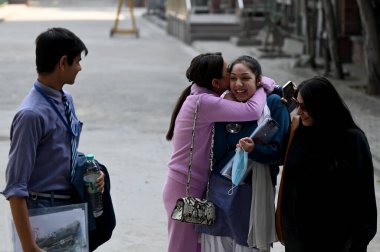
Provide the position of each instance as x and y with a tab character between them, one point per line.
100	182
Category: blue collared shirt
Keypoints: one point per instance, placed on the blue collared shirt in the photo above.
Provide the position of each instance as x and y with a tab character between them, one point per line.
40	152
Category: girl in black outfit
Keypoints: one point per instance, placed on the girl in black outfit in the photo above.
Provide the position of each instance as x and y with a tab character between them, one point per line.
328	201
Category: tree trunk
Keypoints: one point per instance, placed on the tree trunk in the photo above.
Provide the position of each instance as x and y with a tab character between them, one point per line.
332	37
309	17
371	45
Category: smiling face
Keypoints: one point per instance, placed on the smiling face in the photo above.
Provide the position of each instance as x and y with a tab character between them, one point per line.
306	119
243	82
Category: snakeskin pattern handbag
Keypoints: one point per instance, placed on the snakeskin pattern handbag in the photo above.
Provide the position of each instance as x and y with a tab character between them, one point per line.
190	209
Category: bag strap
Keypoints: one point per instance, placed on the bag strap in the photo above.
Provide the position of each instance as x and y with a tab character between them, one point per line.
294	126
191	152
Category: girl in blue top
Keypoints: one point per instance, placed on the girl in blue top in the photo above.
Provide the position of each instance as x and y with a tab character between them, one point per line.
233	210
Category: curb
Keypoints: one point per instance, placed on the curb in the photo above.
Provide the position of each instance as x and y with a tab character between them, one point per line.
7	10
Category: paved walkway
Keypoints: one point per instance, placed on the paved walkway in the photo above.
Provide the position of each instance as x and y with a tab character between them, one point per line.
125	95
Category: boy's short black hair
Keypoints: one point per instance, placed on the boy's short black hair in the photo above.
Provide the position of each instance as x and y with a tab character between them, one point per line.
54	43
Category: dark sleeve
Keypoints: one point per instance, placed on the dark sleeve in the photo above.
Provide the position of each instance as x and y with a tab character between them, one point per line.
364	201
273	152
277	90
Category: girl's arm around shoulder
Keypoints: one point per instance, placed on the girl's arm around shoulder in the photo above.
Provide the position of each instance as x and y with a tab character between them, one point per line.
216	109
268	84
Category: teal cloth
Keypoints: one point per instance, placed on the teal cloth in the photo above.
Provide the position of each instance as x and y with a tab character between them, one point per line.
239	166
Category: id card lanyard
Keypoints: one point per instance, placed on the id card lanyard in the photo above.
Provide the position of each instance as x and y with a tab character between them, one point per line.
73	134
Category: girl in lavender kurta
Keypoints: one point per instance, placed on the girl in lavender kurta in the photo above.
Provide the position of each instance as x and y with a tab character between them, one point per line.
209	77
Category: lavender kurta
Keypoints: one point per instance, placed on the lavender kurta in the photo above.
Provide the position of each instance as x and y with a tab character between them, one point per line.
212	109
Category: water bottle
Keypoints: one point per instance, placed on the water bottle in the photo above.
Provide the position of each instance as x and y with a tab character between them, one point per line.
91	173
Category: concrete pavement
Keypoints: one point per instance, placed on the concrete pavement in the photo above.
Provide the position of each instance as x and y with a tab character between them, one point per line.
124	96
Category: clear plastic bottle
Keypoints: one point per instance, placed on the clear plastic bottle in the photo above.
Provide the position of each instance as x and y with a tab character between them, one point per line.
91	173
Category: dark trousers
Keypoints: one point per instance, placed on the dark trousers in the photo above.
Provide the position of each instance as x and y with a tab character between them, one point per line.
41	202
316	246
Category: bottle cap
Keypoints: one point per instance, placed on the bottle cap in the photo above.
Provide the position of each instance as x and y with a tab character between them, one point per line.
90	157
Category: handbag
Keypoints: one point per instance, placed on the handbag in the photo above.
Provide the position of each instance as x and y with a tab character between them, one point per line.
278	223
190	209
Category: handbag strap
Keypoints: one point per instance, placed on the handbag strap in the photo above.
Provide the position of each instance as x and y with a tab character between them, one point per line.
191	152
294	126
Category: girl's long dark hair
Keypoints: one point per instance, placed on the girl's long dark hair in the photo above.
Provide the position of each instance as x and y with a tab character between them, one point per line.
202	70
185	93
325	106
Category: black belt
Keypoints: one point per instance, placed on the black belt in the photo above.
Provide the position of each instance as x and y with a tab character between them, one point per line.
54	195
